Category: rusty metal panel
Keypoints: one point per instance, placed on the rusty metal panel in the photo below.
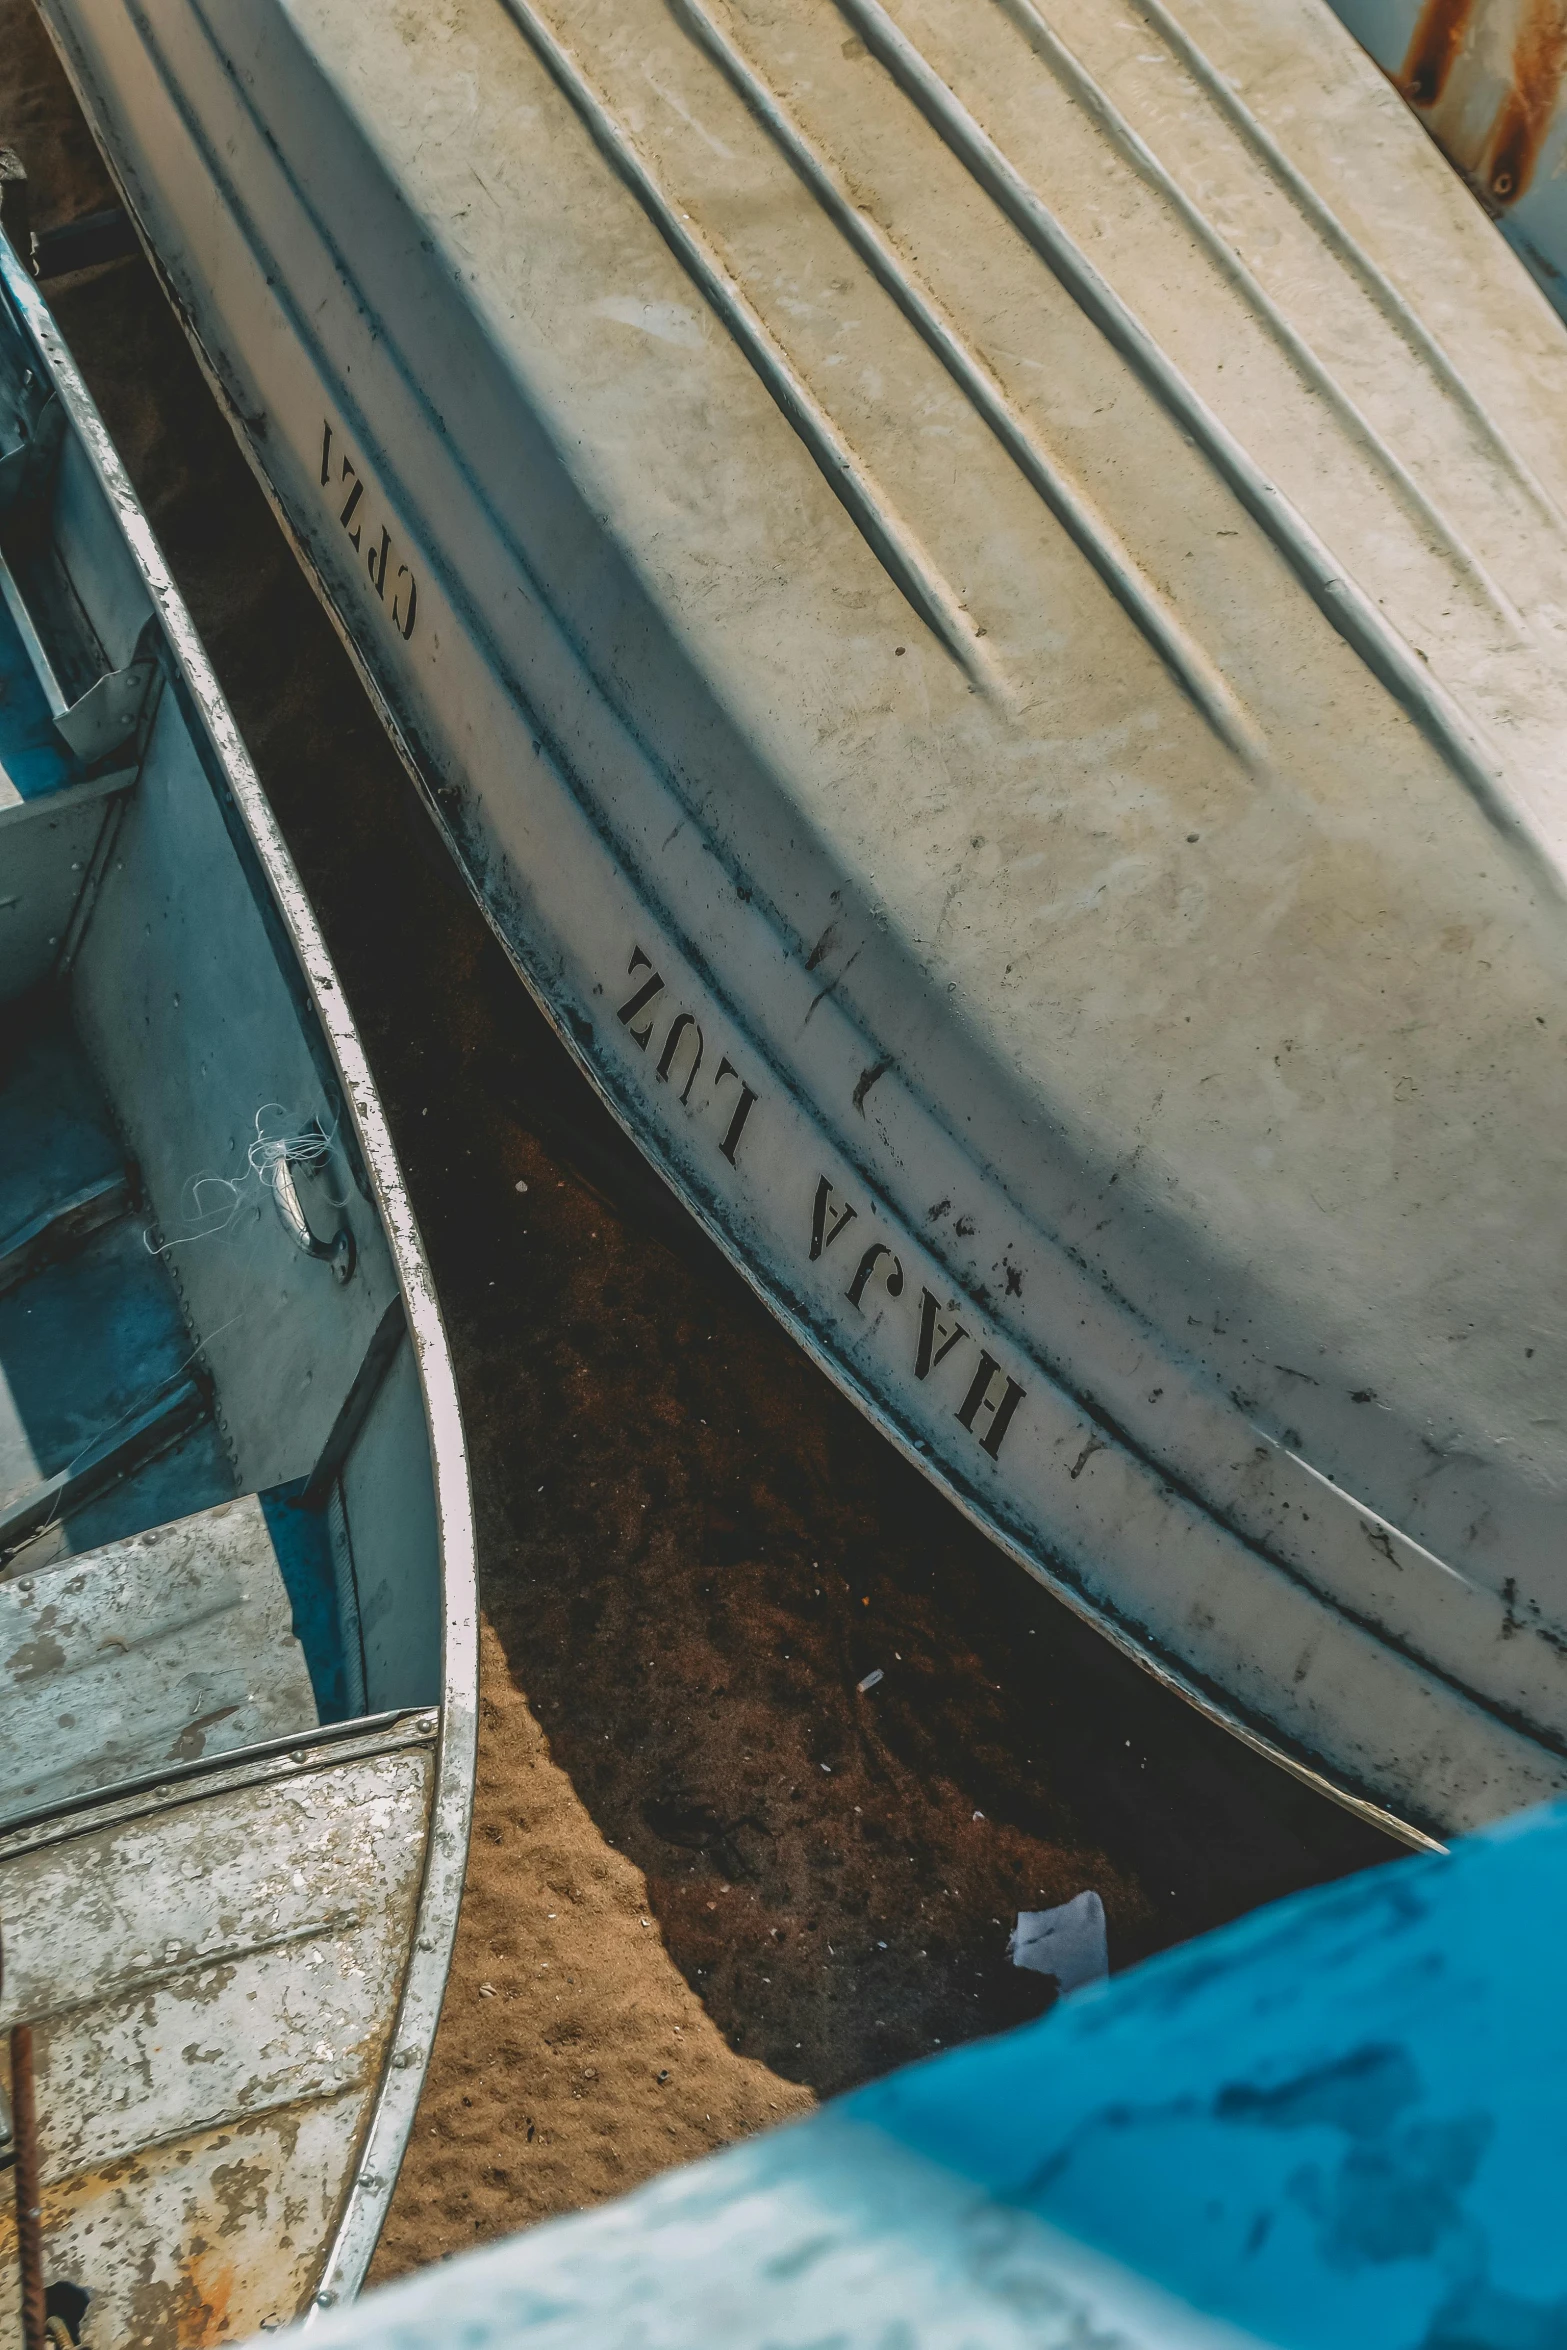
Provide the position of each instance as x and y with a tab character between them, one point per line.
200	2241
1487	77
213	1981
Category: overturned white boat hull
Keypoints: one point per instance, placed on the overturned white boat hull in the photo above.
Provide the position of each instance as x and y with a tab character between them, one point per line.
996	660
237	1614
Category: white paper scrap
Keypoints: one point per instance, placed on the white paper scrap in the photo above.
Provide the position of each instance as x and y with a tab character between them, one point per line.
1068	1942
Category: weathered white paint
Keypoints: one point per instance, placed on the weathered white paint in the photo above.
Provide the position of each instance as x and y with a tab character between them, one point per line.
151	1651
1061	680
193	2242
221	1962
829	2234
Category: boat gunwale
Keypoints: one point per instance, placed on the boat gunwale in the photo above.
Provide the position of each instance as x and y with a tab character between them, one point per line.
434	1925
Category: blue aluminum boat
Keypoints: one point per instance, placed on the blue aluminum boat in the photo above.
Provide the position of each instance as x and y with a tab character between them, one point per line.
237	1617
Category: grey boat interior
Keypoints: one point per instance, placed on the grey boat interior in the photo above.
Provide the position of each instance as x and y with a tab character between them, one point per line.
221	1573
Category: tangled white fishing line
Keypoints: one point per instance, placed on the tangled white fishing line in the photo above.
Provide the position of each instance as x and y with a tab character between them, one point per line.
212	1204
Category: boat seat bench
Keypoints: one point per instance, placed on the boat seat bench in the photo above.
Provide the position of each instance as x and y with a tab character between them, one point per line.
148	1652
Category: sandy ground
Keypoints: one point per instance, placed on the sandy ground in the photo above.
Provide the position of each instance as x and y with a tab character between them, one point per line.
710	1880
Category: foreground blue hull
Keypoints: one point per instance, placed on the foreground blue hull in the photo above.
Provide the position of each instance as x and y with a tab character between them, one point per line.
1339	2122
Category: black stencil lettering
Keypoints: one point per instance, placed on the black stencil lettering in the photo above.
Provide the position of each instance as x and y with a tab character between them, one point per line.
821	1238
326	455
979	1399
731	1141
377	557
405	621
867	1266
350	503
666	1058
639	1001
929	1354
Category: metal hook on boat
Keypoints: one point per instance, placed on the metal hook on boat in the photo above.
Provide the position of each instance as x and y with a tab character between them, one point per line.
339	1252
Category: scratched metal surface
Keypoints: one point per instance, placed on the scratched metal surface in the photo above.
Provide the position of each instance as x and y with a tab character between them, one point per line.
158	1648
1485	77
1334	2126
213	1978
980	594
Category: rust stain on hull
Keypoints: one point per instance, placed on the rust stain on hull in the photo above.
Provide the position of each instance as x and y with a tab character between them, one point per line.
1450	75
1539	61
145	2239
215	1988
205	2316
1433	50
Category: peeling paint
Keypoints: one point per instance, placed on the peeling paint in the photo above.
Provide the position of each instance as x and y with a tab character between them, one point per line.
191	2179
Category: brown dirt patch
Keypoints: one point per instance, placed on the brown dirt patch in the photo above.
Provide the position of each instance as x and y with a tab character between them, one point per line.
574	2058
